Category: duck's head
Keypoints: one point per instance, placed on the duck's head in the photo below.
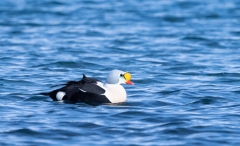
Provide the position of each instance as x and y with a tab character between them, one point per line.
119	77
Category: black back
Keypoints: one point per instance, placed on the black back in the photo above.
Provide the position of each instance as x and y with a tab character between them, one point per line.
86	90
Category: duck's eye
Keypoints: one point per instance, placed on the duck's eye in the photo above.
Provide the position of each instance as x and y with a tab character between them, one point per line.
121	75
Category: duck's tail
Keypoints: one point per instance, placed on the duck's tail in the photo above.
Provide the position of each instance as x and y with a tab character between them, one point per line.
45	93
51	94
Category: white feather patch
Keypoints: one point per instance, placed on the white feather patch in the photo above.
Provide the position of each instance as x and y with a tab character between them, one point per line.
100	84
60	95
82	90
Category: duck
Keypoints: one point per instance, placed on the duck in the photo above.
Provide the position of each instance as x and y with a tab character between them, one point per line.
90	90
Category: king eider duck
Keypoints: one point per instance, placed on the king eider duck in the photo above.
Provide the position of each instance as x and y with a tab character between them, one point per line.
90	90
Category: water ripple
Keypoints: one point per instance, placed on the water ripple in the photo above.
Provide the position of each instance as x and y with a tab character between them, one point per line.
183	56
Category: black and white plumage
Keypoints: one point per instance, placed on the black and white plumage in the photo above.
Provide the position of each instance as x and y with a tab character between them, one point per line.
90	90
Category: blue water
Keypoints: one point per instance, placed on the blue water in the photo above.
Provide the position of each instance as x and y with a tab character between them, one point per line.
183	56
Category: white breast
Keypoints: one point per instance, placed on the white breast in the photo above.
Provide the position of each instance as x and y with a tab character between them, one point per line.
115	93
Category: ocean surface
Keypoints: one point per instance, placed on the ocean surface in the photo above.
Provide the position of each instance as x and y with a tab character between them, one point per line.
184	57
